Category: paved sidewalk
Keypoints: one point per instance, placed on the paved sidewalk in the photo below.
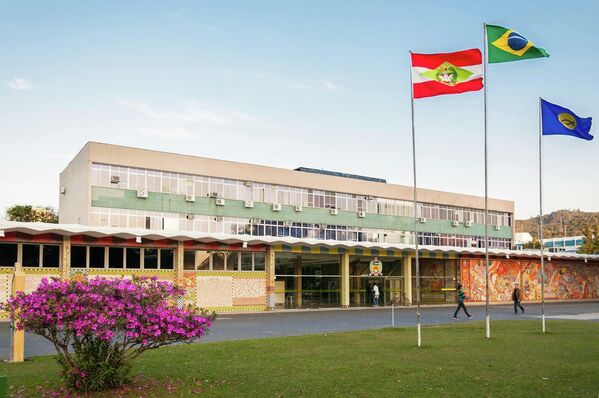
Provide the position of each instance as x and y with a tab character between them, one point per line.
293	323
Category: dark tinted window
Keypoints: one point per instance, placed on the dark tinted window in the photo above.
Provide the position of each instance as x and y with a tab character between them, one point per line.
116	256
133	255
51	256
96	257
259	261
151	258
167	259
78	255
31	255
8	255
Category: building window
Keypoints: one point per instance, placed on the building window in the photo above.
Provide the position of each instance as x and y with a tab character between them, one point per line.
167	259
246	261
51	256
78	256
151	258
31	255
218	261
116	257
133	257
96	256
259	259
8	254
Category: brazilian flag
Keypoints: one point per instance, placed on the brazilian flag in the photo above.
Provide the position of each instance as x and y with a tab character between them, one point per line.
506	45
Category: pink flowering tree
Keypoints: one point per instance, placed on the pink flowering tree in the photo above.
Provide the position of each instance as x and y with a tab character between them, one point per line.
99	326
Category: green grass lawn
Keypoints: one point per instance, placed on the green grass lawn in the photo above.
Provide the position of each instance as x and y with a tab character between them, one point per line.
455	360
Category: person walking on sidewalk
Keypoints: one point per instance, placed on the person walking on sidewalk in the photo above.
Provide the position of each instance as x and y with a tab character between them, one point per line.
461	298
517	298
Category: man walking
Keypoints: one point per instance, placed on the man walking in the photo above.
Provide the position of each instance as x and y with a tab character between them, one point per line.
461	298
517	298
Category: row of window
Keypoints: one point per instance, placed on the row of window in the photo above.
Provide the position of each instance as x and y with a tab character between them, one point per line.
48	256
223	260
242	226
185	184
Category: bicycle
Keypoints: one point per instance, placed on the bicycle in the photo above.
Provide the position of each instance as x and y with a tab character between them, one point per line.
401	301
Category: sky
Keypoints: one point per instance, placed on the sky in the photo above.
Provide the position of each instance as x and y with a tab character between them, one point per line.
322	84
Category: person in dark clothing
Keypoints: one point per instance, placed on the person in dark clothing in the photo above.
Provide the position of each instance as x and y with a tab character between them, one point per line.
461	298
517	298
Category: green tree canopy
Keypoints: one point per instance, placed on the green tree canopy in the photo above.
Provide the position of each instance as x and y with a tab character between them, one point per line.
28	213
591	239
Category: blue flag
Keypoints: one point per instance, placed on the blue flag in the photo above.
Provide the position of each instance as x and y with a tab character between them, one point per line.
558	120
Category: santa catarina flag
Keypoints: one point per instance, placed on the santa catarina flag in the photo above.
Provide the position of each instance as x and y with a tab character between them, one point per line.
446	73
505	45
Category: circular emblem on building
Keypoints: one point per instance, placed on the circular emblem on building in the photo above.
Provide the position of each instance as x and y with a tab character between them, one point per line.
376	267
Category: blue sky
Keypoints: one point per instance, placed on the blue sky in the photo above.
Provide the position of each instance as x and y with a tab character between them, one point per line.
321	84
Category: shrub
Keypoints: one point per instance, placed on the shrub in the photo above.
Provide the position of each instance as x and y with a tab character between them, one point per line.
99	326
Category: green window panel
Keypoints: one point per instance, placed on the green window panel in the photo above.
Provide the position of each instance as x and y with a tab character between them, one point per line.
172	203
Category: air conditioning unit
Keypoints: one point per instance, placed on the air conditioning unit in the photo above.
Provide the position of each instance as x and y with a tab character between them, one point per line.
220	202
213	195
455	223
63	190
298	208
467	223
422	220
361	214
249	204
248	183
334	212
115	179
288	223
142	193
189	216
276	207
190	198
218	219
496	227
255	221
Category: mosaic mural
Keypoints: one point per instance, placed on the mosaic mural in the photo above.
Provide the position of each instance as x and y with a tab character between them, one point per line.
565	280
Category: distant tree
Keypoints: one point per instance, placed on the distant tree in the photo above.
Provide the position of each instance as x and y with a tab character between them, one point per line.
535	243
28	213
591	239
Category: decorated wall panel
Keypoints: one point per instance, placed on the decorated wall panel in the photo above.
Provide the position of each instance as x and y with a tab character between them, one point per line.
565	280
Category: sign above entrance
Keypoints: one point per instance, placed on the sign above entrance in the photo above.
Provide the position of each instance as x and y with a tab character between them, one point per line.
376	267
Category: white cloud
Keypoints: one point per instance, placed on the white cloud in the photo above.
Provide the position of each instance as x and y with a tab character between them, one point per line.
19	83
190	111
164	133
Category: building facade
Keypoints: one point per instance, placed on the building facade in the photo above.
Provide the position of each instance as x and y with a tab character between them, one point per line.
565	244
109	185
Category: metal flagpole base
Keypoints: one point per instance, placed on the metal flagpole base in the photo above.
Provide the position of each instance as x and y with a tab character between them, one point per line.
419	335
488	321
543	321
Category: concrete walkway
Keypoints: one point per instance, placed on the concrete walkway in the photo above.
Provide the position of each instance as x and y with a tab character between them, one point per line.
300	322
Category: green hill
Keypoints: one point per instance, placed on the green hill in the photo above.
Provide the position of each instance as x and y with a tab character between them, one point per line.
559	223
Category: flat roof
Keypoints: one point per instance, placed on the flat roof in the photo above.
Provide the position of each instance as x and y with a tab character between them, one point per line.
339	174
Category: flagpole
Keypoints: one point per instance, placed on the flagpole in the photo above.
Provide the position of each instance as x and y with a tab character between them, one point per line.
487	318
541	214
415	210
